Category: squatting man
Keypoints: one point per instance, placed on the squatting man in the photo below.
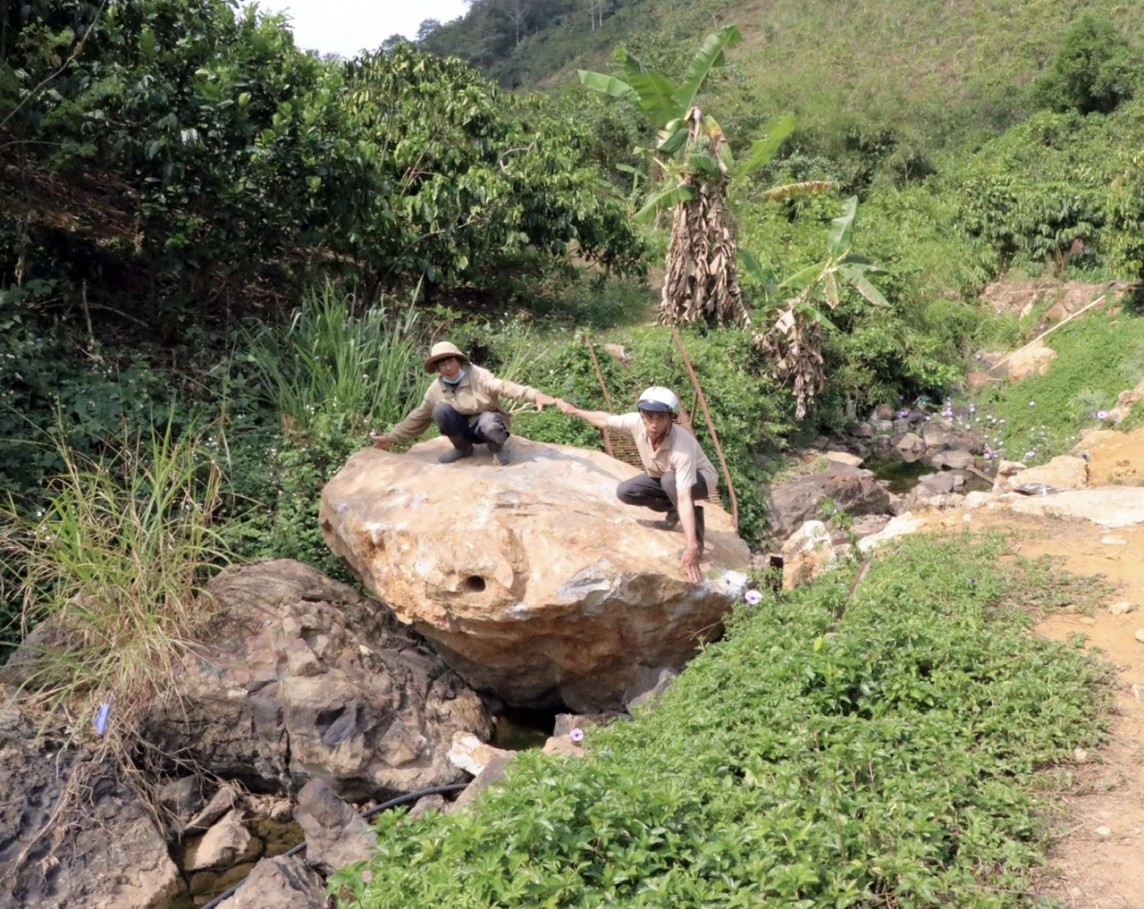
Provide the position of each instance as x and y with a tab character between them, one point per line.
677	471
464	402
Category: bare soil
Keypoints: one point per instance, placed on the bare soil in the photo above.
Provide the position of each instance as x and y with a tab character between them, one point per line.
1097	857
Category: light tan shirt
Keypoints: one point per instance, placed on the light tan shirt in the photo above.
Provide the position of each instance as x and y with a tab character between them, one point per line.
679	451
478	392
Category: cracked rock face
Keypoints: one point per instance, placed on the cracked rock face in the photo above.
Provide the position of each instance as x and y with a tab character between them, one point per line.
302	677
533	581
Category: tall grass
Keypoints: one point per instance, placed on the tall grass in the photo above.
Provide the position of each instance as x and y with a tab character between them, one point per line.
332	370
112	574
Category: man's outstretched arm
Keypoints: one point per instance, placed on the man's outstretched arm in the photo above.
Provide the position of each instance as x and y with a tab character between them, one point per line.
597	418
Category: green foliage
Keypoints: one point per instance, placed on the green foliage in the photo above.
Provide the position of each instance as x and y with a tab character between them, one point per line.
239	160
1094	70
95	392
330	368
1098	356
1061	190
876	749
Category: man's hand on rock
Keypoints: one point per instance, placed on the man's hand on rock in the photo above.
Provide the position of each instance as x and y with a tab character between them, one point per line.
384	442
690	564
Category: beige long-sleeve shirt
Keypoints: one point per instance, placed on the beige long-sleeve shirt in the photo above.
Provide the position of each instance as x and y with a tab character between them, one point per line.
478	392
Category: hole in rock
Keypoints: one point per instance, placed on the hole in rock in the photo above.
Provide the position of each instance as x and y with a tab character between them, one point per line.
518	728
474	583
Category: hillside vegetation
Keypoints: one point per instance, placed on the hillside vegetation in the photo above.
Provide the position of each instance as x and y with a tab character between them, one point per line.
222	259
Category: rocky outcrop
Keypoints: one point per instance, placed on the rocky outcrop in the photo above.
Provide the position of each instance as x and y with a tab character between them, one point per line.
534	582
794	501
303	677
57	852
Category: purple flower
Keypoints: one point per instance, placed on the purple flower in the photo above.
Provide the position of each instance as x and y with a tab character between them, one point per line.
753	597
902	414
1102	414
576	735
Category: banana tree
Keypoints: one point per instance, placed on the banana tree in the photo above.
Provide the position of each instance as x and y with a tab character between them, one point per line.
701	282
794	342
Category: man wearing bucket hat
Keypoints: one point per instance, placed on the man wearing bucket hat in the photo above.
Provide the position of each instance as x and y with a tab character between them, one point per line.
678	472
464	402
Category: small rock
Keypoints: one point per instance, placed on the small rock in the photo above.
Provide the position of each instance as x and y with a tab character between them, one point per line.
1080	756
1087	620
1140	635
1138	691
1122	607
1104	831
1111	540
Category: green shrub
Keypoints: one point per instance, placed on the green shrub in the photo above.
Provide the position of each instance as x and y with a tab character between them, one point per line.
1094	70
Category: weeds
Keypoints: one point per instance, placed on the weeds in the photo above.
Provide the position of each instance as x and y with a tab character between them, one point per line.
326	363
112	575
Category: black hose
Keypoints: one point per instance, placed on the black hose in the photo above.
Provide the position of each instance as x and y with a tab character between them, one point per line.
369	812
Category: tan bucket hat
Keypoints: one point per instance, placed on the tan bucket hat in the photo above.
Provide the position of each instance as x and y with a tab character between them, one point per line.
442	350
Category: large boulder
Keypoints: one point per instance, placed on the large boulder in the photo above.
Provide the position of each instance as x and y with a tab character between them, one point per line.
535	583
304	677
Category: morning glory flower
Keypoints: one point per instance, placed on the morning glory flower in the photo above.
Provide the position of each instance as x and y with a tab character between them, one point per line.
753	597
576	735
1102	414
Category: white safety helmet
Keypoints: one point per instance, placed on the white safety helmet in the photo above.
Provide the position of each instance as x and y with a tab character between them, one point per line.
660	399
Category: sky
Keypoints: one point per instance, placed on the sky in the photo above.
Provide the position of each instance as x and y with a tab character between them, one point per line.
345	27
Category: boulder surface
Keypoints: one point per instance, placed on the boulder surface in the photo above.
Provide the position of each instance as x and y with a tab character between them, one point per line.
303	677
535	583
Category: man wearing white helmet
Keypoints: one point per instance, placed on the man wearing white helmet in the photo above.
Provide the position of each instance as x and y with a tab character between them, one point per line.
464	402
678	472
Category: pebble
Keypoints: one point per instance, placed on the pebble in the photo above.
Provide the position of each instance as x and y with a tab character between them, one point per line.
1114	541
1138	691
1080	756
1104	831
1140	635
1089	620
1122	607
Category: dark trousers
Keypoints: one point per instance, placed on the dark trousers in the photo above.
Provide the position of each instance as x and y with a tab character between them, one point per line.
658	494
487	428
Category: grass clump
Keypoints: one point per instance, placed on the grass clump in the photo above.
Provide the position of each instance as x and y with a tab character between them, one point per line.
111	576
874	748
329	370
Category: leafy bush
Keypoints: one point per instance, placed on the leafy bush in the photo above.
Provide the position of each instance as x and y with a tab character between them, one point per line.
1094	70
834	750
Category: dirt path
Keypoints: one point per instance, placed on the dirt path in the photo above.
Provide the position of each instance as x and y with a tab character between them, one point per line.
1097	861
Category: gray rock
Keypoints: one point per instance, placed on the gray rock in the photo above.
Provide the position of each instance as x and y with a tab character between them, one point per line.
303	677
279	883
335	834
794	501
107	854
